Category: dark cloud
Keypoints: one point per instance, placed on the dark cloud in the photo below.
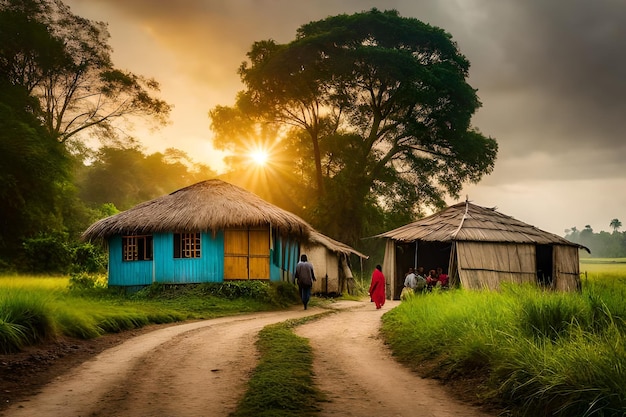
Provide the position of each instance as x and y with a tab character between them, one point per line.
561	67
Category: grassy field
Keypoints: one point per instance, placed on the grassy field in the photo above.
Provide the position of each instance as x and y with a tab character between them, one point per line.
529	351
40	309
603	267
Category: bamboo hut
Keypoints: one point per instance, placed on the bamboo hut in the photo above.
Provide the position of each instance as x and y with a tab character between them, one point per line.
331	262
211	231
479	248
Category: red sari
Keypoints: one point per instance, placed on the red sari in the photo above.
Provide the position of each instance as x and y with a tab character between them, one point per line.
377	288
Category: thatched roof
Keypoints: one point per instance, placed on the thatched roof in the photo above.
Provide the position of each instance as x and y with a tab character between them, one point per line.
469	222
333	245
208	205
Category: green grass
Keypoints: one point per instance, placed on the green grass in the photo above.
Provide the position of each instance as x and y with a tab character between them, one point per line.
603	267
529	351
282	383
35	310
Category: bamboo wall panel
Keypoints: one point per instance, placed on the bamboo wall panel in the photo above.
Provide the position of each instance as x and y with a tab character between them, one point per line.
259	253
316	255
485	265
236	254
567	268
235	267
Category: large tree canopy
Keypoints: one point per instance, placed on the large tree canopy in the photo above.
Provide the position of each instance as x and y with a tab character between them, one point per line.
381	106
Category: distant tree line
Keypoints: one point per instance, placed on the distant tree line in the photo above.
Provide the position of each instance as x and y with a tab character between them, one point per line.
602	244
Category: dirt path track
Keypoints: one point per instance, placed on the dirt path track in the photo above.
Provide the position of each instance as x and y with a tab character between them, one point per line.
201	368
360	377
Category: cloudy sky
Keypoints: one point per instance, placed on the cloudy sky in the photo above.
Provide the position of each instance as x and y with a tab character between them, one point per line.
551	76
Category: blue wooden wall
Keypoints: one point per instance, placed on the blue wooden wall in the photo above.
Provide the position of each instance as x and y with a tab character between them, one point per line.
208	268
283	259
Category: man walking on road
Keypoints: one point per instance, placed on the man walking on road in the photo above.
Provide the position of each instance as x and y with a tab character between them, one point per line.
305	277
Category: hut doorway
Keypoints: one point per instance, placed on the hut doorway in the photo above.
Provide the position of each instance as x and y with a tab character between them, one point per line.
429	255
545	266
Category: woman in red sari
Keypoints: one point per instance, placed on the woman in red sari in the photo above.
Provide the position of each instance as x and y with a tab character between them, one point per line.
377	287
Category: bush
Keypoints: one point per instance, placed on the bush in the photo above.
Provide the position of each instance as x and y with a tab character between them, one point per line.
47	253
87	257
275	293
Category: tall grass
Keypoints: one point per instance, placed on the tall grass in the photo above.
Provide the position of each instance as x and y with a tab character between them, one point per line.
34	310
533	352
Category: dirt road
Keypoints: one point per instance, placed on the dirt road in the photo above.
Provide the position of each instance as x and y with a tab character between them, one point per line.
200	369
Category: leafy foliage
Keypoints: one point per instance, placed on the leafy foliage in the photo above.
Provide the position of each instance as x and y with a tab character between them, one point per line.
58	86
275	293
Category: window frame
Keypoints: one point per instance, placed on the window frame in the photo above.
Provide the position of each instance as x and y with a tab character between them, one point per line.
137	248
187	245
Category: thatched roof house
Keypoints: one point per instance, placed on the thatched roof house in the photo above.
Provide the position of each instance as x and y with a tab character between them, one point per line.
331	262
210	205
208	232
480	248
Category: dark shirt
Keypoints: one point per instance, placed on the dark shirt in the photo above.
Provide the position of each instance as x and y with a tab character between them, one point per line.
304	274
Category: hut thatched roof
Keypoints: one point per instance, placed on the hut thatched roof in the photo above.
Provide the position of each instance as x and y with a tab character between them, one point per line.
470	222
208	205
333	245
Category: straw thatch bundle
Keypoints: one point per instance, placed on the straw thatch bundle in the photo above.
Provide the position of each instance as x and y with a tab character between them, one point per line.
469	222
208	205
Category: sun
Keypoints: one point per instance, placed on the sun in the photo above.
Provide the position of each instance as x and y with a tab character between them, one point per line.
259	157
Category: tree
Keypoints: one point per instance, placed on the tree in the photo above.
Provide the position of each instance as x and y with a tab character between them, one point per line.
126	176
377	107
32	171
57	85
64	61
615	224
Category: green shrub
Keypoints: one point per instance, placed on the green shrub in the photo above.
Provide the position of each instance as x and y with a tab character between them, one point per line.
275	293
47	254
89	258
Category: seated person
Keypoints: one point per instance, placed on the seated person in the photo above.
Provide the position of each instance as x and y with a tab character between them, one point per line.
410	280
432	279
421	279
443	278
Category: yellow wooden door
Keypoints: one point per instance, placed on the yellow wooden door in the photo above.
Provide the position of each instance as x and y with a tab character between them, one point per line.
247	253
235	254
259	253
